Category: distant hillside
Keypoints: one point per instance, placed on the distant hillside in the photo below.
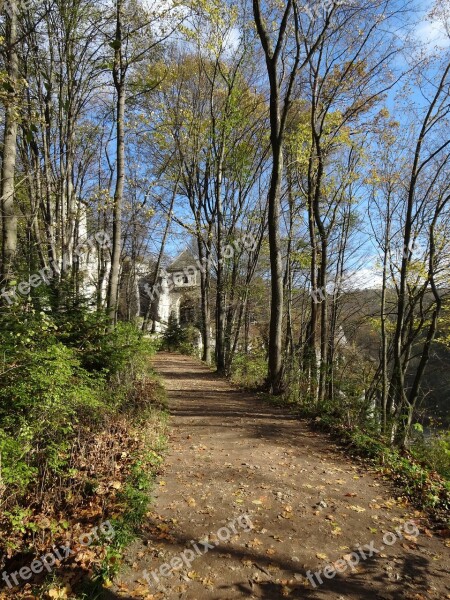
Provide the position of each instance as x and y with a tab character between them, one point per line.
356	307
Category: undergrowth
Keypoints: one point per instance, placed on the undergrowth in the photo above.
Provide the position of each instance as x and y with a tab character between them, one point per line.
82	424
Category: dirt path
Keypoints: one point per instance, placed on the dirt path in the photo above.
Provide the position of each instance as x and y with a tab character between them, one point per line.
232	455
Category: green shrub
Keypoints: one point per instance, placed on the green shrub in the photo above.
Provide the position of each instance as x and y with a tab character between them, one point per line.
54	375
190	345
174	336
425	488
43	399
178	338
100	349
16	473
71	389
249	370
435	451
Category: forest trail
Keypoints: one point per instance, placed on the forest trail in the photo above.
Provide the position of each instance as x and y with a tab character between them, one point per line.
231	454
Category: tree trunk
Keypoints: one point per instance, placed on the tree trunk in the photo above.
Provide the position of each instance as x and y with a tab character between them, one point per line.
220	296
9	219
276	268
386	409
278	114
119	82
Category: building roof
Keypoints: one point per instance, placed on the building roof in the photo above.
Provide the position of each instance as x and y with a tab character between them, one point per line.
185	259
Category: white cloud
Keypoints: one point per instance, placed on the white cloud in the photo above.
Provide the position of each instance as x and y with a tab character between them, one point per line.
432	33
233	40
166	14
365	278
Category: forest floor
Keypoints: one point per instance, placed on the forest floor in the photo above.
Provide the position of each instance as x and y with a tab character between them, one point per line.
310	505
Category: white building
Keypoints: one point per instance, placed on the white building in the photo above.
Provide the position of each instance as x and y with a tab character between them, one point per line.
177	292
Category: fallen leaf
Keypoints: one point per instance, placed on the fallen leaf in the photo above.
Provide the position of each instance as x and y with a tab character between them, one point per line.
193	575
358	509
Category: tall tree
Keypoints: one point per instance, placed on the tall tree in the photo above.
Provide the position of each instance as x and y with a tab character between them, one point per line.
7	184
427	197
134	42
282	73
119	77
